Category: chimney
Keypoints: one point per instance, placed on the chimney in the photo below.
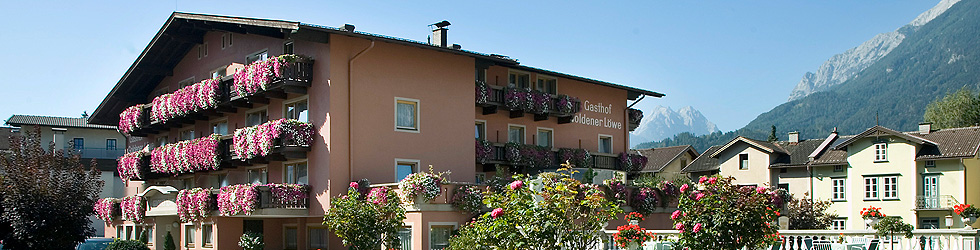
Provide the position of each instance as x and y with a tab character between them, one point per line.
794	137
925	128
349	27
439	33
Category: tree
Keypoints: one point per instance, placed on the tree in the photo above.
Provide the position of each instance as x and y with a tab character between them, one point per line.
47	196
772	134
957	109
809	214
366	223
717	214
892	225
168	242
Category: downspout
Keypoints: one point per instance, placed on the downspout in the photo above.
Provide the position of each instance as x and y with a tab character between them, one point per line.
626	134
350	111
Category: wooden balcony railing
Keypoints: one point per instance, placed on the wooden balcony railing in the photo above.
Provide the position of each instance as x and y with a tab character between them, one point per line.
268	199
489	153
492	98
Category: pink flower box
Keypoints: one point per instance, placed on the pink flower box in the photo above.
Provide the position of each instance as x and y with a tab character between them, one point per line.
259	140
199	154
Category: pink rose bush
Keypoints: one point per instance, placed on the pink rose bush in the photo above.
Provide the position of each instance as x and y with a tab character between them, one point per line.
105	208
237	199
199	154
194	204
193	98
133	208
718	214
497	212
378	195
255	141
130	163
257	76
423	185
131	119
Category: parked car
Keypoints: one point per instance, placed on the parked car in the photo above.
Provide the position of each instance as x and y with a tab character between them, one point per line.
94	244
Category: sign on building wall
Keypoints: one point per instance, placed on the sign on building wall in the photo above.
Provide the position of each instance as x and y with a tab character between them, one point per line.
599	115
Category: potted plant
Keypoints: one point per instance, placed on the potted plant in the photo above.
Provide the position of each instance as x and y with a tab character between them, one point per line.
968	213
422	187
871	215
634	218
631	236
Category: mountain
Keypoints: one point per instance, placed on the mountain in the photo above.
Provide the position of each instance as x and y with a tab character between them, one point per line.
664	122
934	59
844	66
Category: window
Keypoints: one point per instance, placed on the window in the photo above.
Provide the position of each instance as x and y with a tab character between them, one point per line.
256	118
839	168
296	173
162	140
881	152
439	236
78	143
258	56
405	236
291	238
258	176
838	189
219	73
481	130
838	224
318	237
929	223
220	128
287	47
605	144
202	50
187	183
226	40
297	111
406	114
189	236
519	80
870	188
743	161
545	137
129	232
930	164
187	135
119	232
185	82
783	186
405	168
148	230
480	178
547	84
890	187
110	144
515	133
207	235
218	180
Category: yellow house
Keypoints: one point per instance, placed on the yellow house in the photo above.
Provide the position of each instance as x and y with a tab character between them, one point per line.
667	162
779	164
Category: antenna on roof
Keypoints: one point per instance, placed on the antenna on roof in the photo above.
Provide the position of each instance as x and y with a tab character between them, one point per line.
876	118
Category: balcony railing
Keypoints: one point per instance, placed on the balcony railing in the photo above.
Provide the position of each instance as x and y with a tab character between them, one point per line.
97	153
270	199
489	153
491	98
939	202
296	77
922	239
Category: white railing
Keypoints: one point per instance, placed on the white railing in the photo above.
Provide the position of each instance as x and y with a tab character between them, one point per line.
922	239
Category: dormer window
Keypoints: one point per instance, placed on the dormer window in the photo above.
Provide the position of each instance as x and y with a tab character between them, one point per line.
881	152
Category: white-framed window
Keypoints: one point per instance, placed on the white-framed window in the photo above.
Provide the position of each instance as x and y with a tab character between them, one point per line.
547	84
119	232
187	134
202	50
227	39
870	188
256	117
296	173
439	234
518	79
406	114
148	230
930	164
743	161
317	237
405	236
258	175
890	187
219	72
257	56
605	144
881	152
129	232
405	167
481	129
219	127
546	137
838	224
297	110
290	237
189	233
185	82
838	192
207	235
515	133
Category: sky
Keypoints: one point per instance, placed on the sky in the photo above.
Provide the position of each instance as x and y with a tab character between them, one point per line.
732	60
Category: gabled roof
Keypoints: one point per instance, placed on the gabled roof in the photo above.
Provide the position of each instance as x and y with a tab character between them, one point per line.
183	31
704	162
883	131
659	158
950	143
64	122
832	156
797	154
761	145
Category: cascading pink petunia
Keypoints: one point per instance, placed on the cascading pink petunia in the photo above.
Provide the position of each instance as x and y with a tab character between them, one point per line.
133	208
105	208
131	119
194	204
256	141
199	154
196	97
129	164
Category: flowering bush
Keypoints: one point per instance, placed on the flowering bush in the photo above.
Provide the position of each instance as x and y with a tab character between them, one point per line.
632	162
238	199
364	224
194	204
378	195
634	216
630	233
424	185
645	200
576	156
259	140
717	214
133	208
105	208
615	190
966	210
519	99
566	104
286	193
541	102
251	241
635	115
195	97
131	119
186	156
872	212
257	76
482	92
468	198
484	151
130	164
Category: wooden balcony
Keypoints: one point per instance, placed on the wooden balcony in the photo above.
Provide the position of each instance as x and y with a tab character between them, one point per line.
497	155
495	100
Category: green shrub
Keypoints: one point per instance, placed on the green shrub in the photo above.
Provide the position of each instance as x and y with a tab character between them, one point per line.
127	245
168	242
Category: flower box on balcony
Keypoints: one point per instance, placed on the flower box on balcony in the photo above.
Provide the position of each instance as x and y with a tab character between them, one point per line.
529	155
191	99
195	204
246	199
289	73
188	156
632	162
107	208
134	165
133	208
278	136
635	116
575	156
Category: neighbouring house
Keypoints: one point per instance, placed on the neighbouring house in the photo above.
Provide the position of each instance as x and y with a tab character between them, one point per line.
703	165
668	162
305	108
5	133
103	143
779	164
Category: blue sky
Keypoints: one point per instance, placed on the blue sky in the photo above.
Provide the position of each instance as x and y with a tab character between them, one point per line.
732	60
